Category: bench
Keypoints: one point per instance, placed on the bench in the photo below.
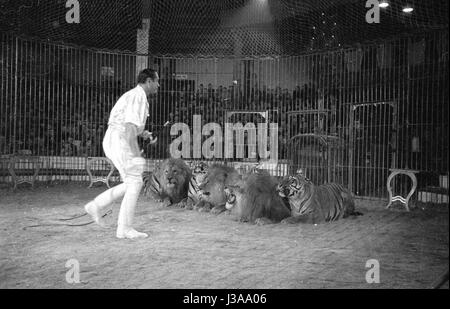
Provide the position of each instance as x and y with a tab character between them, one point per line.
92	178
29	169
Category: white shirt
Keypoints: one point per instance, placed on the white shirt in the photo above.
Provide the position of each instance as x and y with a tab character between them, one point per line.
132	107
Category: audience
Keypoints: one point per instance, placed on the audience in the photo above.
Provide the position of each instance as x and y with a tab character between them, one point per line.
78	128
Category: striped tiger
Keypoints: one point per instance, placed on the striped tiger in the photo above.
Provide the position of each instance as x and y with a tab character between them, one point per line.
199	171
315	204
152	187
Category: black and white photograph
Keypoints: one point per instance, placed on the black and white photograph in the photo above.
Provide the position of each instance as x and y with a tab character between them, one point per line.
224	149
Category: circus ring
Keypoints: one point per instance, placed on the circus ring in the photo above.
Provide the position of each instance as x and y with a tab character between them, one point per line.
188	249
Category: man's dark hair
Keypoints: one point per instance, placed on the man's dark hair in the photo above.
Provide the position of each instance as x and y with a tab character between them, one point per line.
144	74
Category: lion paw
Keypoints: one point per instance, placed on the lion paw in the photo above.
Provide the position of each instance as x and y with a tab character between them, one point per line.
290	220
199	206
217	210
262	221
189	206
182	204
204	209
166	203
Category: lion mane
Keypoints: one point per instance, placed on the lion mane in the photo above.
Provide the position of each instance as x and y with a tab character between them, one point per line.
254	199
213	186
169	182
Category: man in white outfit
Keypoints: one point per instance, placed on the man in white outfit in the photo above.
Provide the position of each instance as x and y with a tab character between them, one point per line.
126	122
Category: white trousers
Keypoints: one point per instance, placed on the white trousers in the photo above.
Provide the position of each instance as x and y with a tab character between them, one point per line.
117	148
130	166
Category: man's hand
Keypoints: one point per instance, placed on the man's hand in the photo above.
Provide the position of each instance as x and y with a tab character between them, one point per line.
148	135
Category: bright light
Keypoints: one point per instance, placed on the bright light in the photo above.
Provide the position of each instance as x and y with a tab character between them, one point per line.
408	9
383	4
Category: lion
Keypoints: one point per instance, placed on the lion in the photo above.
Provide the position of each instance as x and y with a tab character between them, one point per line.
254	199
169	182
213	186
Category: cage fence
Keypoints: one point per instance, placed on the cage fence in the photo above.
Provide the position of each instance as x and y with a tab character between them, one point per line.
346	115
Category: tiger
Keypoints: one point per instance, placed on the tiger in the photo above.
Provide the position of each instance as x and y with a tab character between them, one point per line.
315	204
199	171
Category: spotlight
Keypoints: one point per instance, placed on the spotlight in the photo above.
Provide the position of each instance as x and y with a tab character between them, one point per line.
383	4
408	9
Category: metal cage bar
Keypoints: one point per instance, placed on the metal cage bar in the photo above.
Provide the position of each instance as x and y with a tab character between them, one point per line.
347	115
